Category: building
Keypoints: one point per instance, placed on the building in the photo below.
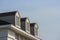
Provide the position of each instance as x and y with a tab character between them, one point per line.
13	27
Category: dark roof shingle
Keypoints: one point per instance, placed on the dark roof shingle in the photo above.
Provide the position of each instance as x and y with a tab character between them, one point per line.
7	13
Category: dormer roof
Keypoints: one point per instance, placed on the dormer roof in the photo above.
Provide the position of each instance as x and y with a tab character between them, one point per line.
34	25
24	19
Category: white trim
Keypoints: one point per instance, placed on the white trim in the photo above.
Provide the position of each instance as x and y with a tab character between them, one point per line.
27	20
17	14
36	26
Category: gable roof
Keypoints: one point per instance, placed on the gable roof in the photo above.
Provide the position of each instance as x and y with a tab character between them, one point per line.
7	13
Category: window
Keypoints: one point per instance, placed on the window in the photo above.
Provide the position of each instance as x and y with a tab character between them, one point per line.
32	30
23	26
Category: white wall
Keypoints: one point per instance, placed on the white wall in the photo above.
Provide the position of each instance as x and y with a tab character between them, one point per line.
11	35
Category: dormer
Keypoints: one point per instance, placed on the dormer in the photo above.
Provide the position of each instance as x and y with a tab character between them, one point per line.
12	17
17	20
25	24
34	29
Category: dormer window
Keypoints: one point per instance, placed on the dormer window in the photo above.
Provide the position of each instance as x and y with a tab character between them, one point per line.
34	29
25	25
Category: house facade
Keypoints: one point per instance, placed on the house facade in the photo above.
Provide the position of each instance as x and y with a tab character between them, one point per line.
13	27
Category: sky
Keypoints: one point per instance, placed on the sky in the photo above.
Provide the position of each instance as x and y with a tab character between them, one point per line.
44	12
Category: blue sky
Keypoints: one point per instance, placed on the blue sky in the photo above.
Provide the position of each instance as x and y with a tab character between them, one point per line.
44	12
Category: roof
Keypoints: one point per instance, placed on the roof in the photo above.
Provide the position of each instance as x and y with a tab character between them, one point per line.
32	24
7	13
23	19
3	22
